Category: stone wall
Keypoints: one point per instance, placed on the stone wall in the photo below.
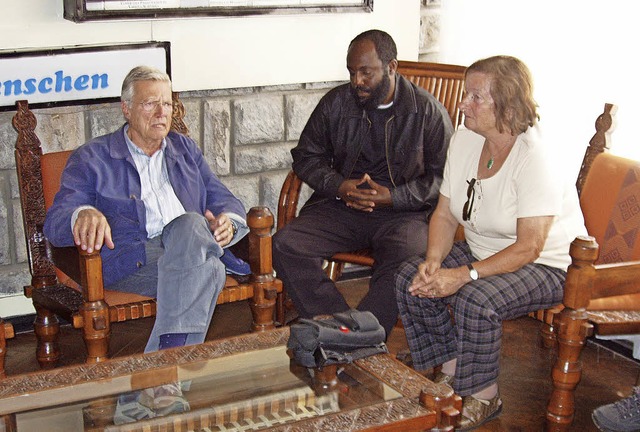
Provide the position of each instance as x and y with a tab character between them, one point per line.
429	30
245	134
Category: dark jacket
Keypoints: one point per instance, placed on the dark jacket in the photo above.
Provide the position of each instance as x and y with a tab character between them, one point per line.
417	135
102	173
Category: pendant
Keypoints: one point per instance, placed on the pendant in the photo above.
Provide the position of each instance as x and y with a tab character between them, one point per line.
490	163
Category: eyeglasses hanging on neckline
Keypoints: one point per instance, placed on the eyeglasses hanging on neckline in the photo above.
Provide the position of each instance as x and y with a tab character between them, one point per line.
471	196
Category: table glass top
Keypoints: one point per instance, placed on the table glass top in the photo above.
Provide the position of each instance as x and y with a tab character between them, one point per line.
246	391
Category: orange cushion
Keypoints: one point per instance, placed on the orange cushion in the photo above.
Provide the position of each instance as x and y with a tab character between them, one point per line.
610	202
52	166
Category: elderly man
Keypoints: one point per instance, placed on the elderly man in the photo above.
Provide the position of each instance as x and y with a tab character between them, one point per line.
147	194
373	150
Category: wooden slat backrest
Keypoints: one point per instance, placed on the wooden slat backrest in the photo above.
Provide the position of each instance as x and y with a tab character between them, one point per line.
444	81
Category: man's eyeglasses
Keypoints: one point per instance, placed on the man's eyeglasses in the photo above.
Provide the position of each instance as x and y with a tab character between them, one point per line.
151	106
471	196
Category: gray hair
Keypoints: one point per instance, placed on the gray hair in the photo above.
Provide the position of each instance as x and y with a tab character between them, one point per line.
140	73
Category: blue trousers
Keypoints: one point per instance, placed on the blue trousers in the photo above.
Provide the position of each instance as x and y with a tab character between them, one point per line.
184	273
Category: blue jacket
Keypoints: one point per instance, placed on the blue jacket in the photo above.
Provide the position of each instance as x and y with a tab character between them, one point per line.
101	173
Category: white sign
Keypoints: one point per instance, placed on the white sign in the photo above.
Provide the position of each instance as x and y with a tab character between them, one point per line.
79	73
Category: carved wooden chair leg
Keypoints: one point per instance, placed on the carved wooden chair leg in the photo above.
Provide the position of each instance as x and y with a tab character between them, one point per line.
9	423
548	336
263	306
47	329
572	330
280	307
6	332
263	303
94	312
96	330
334	270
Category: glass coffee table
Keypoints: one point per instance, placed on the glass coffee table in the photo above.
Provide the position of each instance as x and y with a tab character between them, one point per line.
243	383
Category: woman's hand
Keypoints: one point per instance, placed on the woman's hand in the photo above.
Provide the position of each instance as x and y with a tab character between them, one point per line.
432	281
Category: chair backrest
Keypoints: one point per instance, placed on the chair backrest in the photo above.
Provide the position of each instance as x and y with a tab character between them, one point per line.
52	165
609	189
610	202
444	81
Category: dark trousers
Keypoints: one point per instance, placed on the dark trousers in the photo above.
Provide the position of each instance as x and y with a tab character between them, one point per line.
324	228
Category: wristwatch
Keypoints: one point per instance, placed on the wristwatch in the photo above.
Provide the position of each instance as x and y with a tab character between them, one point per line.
234	226
473	273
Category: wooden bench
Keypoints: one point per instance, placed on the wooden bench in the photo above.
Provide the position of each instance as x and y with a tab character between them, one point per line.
67	282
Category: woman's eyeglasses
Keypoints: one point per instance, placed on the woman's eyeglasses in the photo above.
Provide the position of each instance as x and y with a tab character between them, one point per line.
471	196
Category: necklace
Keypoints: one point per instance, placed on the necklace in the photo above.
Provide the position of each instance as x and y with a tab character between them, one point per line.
491	161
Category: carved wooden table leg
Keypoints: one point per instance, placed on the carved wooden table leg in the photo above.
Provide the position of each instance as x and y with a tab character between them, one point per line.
325	378
448	408
47	329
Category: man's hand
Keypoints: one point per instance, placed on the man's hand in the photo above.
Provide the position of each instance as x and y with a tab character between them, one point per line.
221	227
92	230
364	194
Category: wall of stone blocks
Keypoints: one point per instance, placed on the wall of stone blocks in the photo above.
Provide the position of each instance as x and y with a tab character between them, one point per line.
428	48
245	134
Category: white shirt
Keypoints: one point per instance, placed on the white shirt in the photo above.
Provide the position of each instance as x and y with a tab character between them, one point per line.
160	201
527	185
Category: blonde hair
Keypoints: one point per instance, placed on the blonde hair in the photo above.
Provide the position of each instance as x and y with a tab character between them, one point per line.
511	91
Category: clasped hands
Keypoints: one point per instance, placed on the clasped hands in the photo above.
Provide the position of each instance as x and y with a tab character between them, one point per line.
91	230
364	194
433	281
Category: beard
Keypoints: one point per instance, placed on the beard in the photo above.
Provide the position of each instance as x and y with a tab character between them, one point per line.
376	95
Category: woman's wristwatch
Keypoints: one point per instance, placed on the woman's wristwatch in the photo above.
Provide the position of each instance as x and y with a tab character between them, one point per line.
473	273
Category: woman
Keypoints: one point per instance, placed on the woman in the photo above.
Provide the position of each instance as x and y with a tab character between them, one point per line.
518	220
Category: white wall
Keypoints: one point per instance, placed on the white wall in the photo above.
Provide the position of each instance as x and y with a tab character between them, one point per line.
581	54
211	53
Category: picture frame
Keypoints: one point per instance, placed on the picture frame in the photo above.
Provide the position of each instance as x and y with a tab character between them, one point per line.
93	10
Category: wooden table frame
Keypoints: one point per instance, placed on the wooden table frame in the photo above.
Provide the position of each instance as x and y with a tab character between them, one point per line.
423	406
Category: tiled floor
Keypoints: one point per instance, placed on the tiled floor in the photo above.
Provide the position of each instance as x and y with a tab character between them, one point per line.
524	376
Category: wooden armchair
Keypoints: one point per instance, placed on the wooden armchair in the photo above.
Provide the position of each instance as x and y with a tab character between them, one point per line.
602	290
446	83
67	282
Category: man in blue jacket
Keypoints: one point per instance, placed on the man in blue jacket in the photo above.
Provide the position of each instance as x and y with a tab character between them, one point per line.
147	194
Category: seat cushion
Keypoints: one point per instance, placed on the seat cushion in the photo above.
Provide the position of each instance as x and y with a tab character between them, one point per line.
235	289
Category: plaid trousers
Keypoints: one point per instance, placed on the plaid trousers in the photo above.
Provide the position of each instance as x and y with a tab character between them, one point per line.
473	336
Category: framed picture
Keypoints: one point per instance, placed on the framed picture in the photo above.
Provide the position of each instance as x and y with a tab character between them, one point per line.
91	10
